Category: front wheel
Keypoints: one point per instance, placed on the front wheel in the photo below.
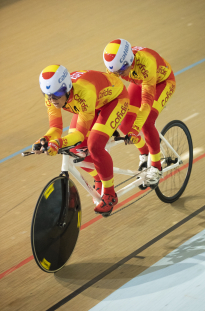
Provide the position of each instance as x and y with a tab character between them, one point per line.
56	224
175	180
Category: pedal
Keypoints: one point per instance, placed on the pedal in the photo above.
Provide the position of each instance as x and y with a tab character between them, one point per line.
142	187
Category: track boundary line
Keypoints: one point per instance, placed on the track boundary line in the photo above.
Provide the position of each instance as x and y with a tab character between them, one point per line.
66	128
124	260
87	224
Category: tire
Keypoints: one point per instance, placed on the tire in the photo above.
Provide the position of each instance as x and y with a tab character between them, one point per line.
53	240
175	181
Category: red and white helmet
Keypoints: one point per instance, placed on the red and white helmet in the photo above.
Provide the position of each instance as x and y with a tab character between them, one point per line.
118	55
55	80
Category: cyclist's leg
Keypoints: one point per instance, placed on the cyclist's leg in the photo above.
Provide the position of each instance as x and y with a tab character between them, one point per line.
107	122
164	91
134	92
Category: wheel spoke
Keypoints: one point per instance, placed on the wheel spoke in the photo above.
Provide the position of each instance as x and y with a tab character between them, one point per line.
175	180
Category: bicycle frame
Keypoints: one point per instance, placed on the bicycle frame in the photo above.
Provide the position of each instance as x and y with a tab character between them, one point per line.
69	166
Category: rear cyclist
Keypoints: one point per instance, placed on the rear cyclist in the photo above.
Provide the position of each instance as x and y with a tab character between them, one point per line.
152	84
100	102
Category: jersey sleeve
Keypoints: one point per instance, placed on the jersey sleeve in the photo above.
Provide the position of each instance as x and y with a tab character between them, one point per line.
147	69
55	121
149	73
84	121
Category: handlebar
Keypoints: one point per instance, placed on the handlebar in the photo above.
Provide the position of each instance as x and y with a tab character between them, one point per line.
66	150
119	138
27	153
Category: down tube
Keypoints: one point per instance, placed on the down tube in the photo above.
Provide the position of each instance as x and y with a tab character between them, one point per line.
67	166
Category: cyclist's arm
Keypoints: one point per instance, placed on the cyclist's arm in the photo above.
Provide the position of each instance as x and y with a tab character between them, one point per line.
148	93
55	121
84	122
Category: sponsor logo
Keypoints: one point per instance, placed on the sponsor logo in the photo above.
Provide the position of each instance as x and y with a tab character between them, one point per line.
120	116
48	103
133	137
125	52
64	142
48	86
143	69
64	75
135	127
76	109
81	101
73	109
138	48
105	93
76	75
134	73
168	93
162	70
48	191
53	146
87	183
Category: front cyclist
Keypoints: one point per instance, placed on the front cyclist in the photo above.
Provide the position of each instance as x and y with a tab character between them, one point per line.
101	102
152	84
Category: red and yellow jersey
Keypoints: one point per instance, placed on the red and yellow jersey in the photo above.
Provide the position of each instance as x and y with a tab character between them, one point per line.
149	66
91	90
149	69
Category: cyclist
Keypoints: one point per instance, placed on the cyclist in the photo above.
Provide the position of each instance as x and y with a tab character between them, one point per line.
100	102
152	84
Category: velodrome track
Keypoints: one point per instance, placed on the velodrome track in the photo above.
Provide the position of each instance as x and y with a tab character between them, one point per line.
110	252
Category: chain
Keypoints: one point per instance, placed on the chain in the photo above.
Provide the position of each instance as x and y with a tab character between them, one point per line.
144	170
131	203
135	200
126	180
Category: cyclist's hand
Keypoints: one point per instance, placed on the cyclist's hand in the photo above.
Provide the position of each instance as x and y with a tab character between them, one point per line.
53	147
131	138
128	139
116	133
38	145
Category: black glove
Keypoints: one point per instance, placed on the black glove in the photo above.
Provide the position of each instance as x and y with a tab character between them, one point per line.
127	139
39	143
116	134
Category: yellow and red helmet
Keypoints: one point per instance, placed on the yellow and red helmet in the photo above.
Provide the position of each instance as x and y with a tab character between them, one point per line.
118	55
55	80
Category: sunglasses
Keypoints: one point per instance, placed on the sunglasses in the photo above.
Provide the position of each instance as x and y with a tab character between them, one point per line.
123	68
61	92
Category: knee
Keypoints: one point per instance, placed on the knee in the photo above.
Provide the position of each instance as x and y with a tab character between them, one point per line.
93	147
149	129
127	123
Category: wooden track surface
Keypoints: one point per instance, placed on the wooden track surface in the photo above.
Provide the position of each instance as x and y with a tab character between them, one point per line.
34	34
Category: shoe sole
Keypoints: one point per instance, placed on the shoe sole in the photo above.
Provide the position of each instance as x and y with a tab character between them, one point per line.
105	214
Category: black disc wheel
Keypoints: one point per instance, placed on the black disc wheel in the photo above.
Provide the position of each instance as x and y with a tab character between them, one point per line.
56	224
175	179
